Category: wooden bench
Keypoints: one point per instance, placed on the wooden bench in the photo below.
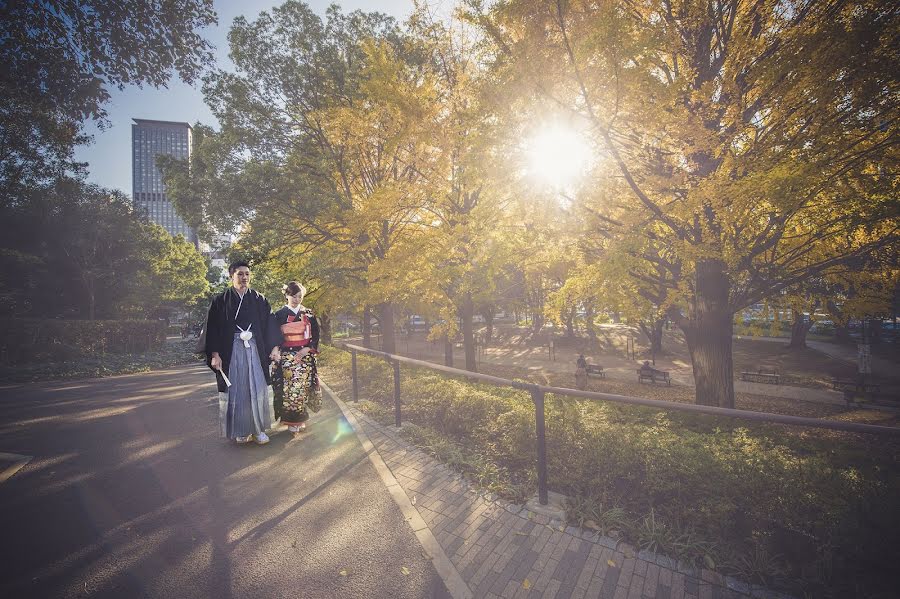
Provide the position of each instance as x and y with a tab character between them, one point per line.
653	375
595	369
852	387
762	375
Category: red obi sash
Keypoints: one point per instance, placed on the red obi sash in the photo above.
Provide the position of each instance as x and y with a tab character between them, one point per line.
297	331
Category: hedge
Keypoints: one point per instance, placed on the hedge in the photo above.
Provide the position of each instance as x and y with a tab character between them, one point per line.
27	340
811	512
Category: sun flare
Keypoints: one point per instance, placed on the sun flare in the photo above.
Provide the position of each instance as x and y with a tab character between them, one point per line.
557	156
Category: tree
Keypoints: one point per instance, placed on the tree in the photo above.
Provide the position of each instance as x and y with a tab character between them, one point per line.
79	251
97	239
320	145
754	143
60	59
454	261
176	277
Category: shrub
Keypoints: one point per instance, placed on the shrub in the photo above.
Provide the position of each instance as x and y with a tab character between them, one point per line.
761	501
30	339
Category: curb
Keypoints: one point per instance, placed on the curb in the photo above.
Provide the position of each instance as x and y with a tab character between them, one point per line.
445	568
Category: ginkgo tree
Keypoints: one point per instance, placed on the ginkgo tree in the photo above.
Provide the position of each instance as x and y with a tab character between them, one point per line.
755	141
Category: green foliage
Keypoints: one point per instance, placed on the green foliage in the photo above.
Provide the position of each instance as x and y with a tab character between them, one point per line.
60	61
72	363
37	339
78	251
174	276
757	500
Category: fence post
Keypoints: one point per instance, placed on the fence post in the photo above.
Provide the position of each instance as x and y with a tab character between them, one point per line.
396	364
538	397
355	379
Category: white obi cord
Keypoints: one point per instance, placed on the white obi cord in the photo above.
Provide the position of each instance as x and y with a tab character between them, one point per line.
246	336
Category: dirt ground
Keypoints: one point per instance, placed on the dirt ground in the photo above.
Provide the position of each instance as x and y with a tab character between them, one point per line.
513	355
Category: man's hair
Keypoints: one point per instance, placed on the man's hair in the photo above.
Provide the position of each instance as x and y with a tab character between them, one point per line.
236	265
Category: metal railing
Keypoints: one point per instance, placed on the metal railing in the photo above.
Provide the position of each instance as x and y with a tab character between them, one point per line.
539	391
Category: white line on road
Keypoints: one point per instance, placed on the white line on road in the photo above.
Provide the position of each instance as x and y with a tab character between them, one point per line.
18	461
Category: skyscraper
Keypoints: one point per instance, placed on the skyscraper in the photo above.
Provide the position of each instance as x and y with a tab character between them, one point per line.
150	139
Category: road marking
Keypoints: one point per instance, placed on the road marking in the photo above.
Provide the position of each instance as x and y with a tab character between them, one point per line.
445	568
18	461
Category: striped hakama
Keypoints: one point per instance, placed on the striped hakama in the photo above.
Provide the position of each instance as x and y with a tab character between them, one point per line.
246	408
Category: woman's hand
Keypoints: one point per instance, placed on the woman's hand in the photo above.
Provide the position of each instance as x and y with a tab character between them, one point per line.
216	361
304	352
275	354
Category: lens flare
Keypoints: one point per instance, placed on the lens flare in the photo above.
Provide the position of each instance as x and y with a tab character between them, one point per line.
343	429
557	155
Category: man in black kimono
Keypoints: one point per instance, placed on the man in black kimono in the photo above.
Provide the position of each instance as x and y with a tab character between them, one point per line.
241	338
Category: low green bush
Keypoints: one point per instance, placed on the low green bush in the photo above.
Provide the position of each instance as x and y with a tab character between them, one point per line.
812	513
31	340
81	364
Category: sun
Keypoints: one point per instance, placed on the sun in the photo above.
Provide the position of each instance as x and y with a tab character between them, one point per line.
557	156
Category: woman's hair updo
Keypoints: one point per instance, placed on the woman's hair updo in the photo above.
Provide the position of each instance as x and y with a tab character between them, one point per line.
293	288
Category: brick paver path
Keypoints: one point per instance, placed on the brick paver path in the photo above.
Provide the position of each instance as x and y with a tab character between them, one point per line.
505	550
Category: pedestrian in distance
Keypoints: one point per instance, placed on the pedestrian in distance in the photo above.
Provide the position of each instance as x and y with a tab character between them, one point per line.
296	382
242	337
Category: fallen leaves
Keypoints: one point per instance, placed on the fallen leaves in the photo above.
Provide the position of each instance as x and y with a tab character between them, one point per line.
405	570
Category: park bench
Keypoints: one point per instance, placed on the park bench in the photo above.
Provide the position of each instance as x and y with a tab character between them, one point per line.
595	369
653	375
854	387
763	375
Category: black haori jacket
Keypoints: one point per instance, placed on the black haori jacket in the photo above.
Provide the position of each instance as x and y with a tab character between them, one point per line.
220	329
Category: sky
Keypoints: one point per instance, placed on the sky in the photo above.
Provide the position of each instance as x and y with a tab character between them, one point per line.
109	156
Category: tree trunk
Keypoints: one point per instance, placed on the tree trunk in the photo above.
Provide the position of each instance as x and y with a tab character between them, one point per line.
708	334
488	326
92	300
537	323
367	327
324	328
448	351
656	338
569	320
799	328
589	322
653	330
873	326
466	311
388	343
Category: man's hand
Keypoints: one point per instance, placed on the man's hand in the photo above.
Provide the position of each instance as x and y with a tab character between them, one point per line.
216	361
275	355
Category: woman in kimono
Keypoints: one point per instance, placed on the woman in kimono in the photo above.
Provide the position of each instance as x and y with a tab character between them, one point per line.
241	338
296	383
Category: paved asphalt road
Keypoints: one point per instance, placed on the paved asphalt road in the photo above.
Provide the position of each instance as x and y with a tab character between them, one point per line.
131	493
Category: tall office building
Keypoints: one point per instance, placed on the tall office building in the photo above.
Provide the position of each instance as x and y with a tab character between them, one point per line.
150	139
